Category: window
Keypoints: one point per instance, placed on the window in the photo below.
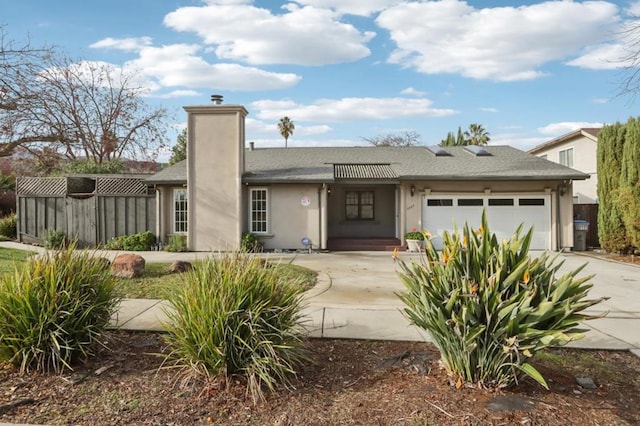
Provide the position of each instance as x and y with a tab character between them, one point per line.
259	210
439	202
466	202
359	205
566	157
531	202
179	211
500	201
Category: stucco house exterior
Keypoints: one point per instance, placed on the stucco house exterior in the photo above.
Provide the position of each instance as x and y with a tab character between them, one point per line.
577	150
326	196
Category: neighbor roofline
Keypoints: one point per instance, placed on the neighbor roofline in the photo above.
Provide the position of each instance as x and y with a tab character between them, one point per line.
585	131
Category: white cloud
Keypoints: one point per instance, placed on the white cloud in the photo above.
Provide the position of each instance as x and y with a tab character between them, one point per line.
502	43
178	65
306	143
603	57
352	7
559	129
300	35
133	44
346	109
410	91
179	94
489	109
517	140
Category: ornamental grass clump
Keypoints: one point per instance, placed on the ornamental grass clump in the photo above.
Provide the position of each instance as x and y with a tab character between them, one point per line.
233	315
489	306
54	309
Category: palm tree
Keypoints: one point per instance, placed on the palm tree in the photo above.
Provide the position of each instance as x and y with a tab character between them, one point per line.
476	135
286	128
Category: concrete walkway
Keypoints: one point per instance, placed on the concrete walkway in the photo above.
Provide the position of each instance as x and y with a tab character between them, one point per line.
356	298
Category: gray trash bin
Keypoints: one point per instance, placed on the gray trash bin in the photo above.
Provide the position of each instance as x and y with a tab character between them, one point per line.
580	229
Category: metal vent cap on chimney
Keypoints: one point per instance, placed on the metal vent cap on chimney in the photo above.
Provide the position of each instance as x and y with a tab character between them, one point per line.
216	99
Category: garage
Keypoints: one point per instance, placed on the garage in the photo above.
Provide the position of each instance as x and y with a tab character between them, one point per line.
504	212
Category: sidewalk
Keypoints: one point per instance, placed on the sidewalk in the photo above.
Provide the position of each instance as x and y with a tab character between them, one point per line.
356	298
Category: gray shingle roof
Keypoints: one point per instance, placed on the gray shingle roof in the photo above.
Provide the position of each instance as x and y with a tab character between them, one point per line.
316	164
175	174
266	165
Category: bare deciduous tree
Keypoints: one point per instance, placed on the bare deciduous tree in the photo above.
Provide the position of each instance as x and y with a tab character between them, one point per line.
78	109
408	138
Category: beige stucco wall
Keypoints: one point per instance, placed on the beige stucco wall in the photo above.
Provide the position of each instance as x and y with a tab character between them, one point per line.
562	221
215	164
585	160
290	219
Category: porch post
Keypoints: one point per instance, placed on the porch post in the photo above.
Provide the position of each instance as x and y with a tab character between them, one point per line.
403	212
323	216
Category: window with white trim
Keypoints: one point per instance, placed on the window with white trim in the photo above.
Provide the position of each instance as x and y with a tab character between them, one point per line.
259	210
566	157
179	211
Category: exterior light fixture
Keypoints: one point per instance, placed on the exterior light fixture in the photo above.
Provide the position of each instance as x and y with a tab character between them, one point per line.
413	190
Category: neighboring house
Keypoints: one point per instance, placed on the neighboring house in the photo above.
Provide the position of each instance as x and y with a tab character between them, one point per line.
577	150
326	196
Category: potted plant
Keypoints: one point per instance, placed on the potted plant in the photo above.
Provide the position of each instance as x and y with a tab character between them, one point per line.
414	239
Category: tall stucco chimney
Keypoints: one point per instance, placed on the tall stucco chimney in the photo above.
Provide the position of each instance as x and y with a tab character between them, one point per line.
215	165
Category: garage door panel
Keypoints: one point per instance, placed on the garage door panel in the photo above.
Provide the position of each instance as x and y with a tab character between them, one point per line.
504	213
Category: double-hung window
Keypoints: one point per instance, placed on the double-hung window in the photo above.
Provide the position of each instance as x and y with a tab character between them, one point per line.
566	157
259	210
179	211
359	205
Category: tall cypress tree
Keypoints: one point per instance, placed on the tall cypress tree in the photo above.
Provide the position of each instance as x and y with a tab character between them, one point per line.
611	229
628	196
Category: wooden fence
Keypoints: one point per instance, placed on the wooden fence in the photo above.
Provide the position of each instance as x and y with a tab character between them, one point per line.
92	210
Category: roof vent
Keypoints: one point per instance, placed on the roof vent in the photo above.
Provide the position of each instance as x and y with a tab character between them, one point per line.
438	151
477	150
216	99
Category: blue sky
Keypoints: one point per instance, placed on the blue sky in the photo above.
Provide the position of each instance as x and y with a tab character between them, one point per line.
344	70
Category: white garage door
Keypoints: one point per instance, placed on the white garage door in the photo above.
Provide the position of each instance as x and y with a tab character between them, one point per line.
504	213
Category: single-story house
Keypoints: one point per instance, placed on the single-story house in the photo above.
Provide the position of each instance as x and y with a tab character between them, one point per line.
578	150
345	197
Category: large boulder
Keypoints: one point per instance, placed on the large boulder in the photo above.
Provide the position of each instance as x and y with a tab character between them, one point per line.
128	265
180	266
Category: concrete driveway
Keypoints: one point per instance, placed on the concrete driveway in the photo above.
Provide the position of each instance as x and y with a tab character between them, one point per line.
361	300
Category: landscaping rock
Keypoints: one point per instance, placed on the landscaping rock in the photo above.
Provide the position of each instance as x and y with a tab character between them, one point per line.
128	265
586	383
180	266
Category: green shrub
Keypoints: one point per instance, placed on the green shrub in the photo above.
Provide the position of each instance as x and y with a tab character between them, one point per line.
54	309
176	243
489	307
9	227
235	316
54	239
251	243
142	241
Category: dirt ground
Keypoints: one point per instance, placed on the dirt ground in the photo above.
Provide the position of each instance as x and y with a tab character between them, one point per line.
351	382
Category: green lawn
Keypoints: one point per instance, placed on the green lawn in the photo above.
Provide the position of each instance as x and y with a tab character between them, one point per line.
156	276
10	258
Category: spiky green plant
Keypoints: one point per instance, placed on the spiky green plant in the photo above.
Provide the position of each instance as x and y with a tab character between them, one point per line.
54	309
233	315
489	306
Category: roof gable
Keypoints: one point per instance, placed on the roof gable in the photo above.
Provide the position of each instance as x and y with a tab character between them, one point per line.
590	133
